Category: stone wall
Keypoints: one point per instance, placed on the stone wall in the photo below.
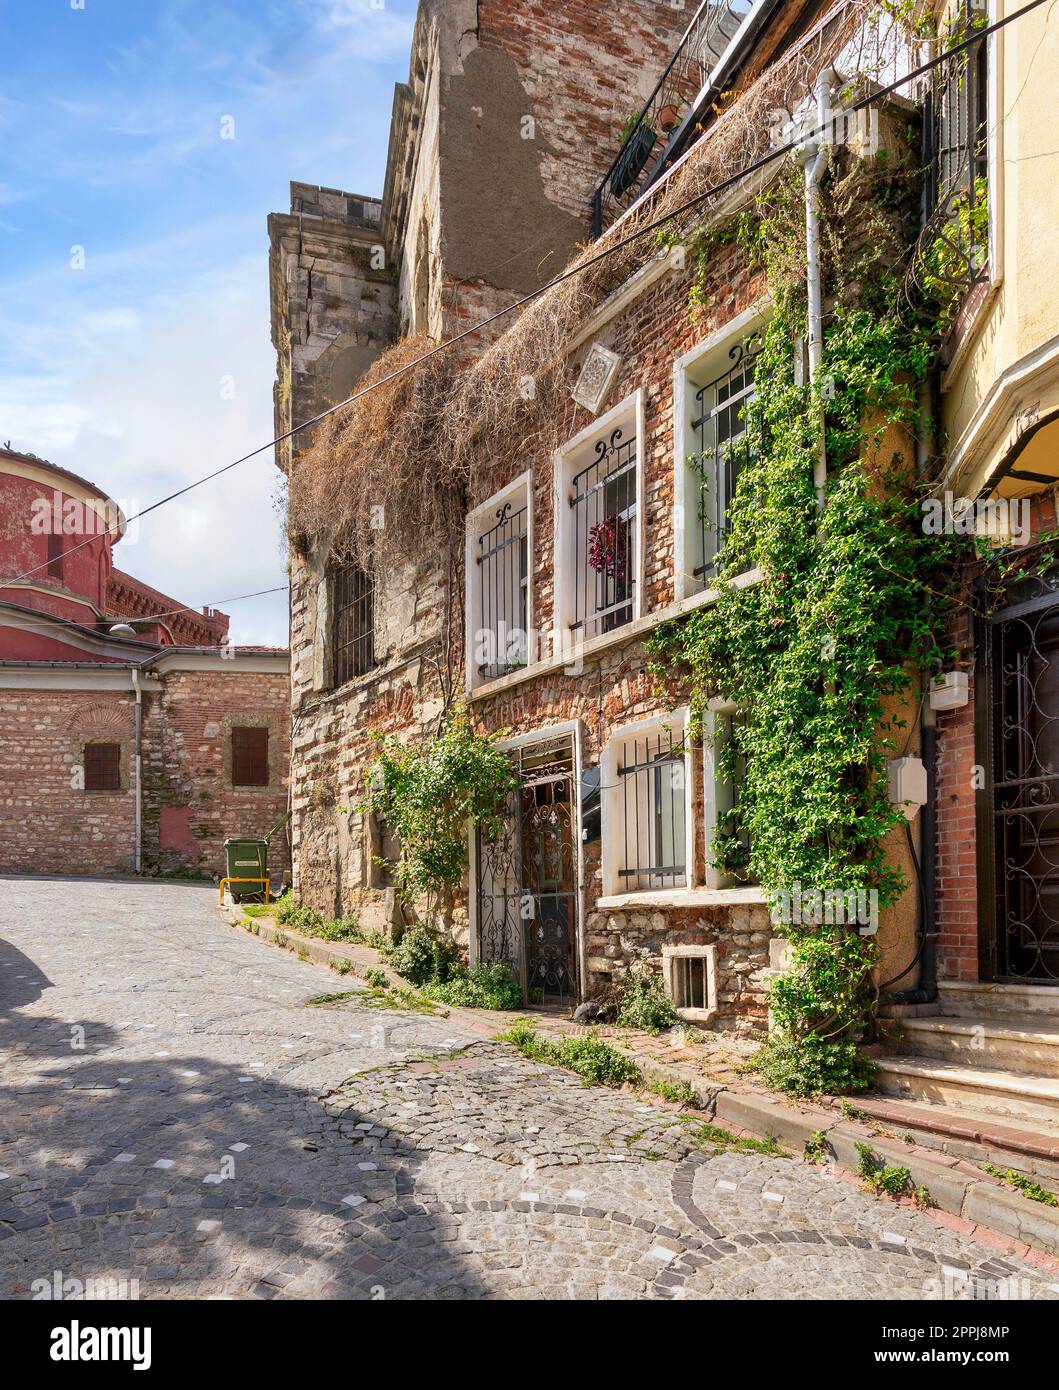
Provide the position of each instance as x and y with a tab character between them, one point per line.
50	824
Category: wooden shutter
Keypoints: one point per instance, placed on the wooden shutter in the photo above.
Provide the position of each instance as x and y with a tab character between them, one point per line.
102	767
250	757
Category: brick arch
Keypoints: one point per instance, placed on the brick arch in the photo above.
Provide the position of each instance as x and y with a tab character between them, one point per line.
97	720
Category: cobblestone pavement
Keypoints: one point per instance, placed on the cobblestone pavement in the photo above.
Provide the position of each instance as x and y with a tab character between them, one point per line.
172	1111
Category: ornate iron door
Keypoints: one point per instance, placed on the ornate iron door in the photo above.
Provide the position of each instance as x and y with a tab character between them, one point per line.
527	877
1022	664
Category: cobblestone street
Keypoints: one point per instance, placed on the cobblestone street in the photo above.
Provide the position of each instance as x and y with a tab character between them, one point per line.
172	1111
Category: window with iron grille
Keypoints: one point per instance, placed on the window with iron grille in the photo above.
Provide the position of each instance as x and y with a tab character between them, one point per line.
250	757
953	249
56	550
498	538
353	626
718	389
102	764
646	816
600	519
690	977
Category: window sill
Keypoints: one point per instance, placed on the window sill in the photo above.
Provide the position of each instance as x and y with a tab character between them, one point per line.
631	632
684	897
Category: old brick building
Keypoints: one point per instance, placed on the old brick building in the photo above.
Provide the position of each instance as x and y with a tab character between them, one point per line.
133	735
504	153
586	525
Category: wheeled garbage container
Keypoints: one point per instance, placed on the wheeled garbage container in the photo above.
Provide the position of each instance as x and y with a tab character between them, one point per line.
246	857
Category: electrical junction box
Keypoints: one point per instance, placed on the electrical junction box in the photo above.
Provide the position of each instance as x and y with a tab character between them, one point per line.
949	690
908	785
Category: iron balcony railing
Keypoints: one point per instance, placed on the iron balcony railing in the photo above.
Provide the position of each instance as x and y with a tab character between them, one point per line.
603	506
503	587
653	812
657	135
723	449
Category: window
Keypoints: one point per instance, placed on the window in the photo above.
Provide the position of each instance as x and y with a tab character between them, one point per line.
598	509
690	974
714	385
250	757
56	548
498	584
953	250
353	626
102	762
384	849
724	767
646	820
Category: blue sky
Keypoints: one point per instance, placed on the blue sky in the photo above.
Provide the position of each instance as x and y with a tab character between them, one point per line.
152	364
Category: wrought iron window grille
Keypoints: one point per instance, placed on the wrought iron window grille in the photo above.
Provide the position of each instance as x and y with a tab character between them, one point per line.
502	563
722	445
652	811
353	627
604	520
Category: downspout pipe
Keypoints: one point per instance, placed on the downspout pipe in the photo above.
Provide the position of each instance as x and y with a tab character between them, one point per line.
814	153
137	817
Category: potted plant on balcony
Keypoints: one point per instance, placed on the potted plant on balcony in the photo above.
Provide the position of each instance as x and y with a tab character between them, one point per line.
669	115
638	140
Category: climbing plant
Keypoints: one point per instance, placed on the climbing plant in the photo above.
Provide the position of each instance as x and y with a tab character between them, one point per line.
820	653
428	794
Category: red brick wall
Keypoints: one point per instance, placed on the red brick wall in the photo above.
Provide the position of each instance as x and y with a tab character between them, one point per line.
188	792
49	824
957	907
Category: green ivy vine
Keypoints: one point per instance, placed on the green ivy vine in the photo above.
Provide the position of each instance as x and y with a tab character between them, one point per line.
821	654
428	794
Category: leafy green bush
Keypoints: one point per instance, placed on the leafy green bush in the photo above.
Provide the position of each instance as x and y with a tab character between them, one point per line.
645	1003
376	977
291	913
889	1178
427	794
425	955
813	1066
484	987
596	1062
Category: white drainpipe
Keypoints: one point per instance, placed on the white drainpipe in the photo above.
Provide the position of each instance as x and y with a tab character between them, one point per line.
815	155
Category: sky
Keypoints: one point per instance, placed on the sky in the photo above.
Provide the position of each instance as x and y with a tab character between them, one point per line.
143	144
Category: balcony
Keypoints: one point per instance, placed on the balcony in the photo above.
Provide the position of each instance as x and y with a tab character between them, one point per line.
676	112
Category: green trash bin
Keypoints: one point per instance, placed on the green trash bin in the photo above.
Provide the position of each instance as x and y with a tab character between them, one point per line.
247	858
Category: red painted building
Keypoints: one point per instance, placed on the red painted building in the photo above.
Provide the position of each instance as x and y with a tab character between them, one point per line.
134	736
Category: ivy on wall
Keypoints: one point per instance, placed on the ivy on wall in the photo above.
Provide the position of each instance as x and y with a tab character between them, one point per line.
821	654
428	794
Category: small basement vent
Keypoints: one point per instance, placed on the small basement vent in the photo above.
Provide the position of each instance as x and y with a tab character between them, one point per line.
691	980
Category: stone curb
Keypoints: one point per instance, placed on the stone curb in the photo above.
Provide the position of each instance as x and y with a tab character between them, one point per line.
957	1188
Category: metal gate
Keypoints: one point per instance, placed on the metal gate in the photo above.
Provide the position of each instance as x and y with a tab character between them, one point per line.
527	876
1018	671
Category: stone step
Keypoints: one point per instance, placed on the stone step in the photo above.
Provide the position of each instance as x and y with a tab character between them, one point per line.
1033	1100
974	1000
1029	1048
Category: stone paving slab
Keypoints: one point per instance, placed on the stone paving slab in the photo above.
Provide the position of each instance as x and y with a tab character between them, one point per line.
172	1112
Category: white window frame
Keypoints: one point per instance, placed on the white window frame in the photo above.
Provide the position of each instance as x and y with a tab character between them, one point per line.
718	794
612	804
568	459
671	954
478	521
686	485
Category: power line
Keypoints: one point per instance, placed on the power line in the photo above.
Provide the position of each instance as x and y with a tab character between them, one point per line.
752	168
192	608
